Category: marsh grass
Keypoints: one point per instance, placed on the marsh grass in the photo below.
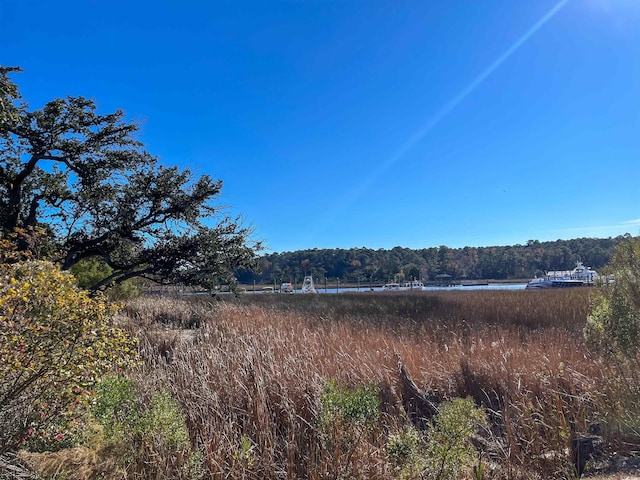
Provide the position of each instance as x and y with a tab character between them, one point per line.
250	372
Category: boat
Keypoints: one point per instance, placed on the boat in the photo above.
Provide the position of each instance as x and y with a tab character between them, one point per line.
398	287
580	276
415	285
286	288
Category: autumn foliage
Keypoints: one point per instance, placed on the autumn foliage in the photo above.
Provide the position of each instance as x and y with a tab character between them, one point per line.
55	344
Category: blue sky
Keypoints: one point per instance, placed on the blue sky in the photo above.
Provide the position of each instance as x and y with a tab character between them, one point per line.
351	123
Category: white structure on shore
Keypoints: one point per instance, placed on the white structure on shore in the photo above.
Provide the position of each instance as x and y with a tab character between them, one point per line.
307	285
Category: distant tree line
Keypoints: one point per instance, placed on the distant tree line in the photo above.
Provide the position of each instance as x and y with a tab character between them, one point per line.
403	264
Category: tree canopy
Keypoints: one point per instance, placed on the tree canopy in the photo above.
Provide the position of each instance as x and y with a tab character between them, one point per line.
402	264
87	181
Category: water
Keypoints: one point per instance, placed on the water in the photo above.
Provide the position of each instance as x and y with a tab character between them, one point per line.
460	288
491	286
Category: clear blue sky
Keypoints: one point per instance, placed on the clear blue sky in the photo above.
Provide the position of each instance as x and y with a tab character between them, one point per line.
352	123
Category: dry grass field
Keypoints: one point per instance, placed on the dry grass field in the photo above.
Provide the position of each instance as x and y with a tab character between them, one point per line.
250	376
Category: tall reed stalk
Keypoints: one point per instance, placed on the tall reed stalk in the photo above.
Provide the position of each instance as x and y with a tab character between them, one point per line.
250	373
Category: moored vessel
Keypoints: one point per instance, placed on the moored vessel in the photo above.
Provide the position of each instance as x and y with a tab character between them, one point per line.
578	277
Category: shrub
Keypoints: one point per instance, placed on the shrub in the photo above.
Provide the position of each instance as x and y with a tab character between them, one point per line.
613	326
405	451
164	421
358	408
135	434
444	450
346	418
613	330
449	450
55	343
92	270
115	406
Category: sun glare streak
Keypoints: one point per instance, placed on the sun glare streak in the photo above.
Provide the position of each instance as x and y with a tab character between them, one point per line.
464	93
359	190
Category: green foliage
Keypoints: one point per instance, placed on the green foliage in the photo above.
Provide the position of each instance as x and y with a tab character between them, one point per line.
93	270
164	420
9	95
613	327
137	434
55	344
90	271
358	408
244	457
405	451
117	410
613	330
86	178
449	451
626	269
115	406
444	451
366	265
161	432
346	418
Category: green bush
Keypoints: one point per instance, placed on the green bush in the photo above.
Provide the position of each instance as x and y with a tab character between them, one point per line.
613	326
405	450
115	408
165	421
444	451
613	330
92	270
357	408
141	437
346	419
449	452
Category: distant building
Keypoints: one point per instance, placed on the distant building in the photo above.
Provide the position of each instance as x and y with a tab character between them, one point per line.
443	279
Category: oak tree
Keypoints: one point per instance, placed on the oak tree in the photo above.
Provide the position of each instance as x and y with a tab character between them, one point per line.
87	179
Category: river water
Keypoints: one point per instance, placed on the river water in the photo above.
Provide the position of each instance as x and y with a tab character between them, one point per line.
459	288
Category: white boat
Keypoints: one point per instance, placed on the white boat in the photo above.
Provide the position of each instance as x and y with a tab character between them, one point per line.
415	285
578	277
397	287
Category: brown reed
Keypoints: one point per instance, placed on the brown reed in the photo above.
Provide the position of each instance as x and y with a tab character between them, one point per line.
250	377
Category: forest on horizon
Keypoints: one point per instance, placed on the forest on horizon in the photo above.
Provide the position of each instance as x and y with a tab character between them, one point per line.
363	264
